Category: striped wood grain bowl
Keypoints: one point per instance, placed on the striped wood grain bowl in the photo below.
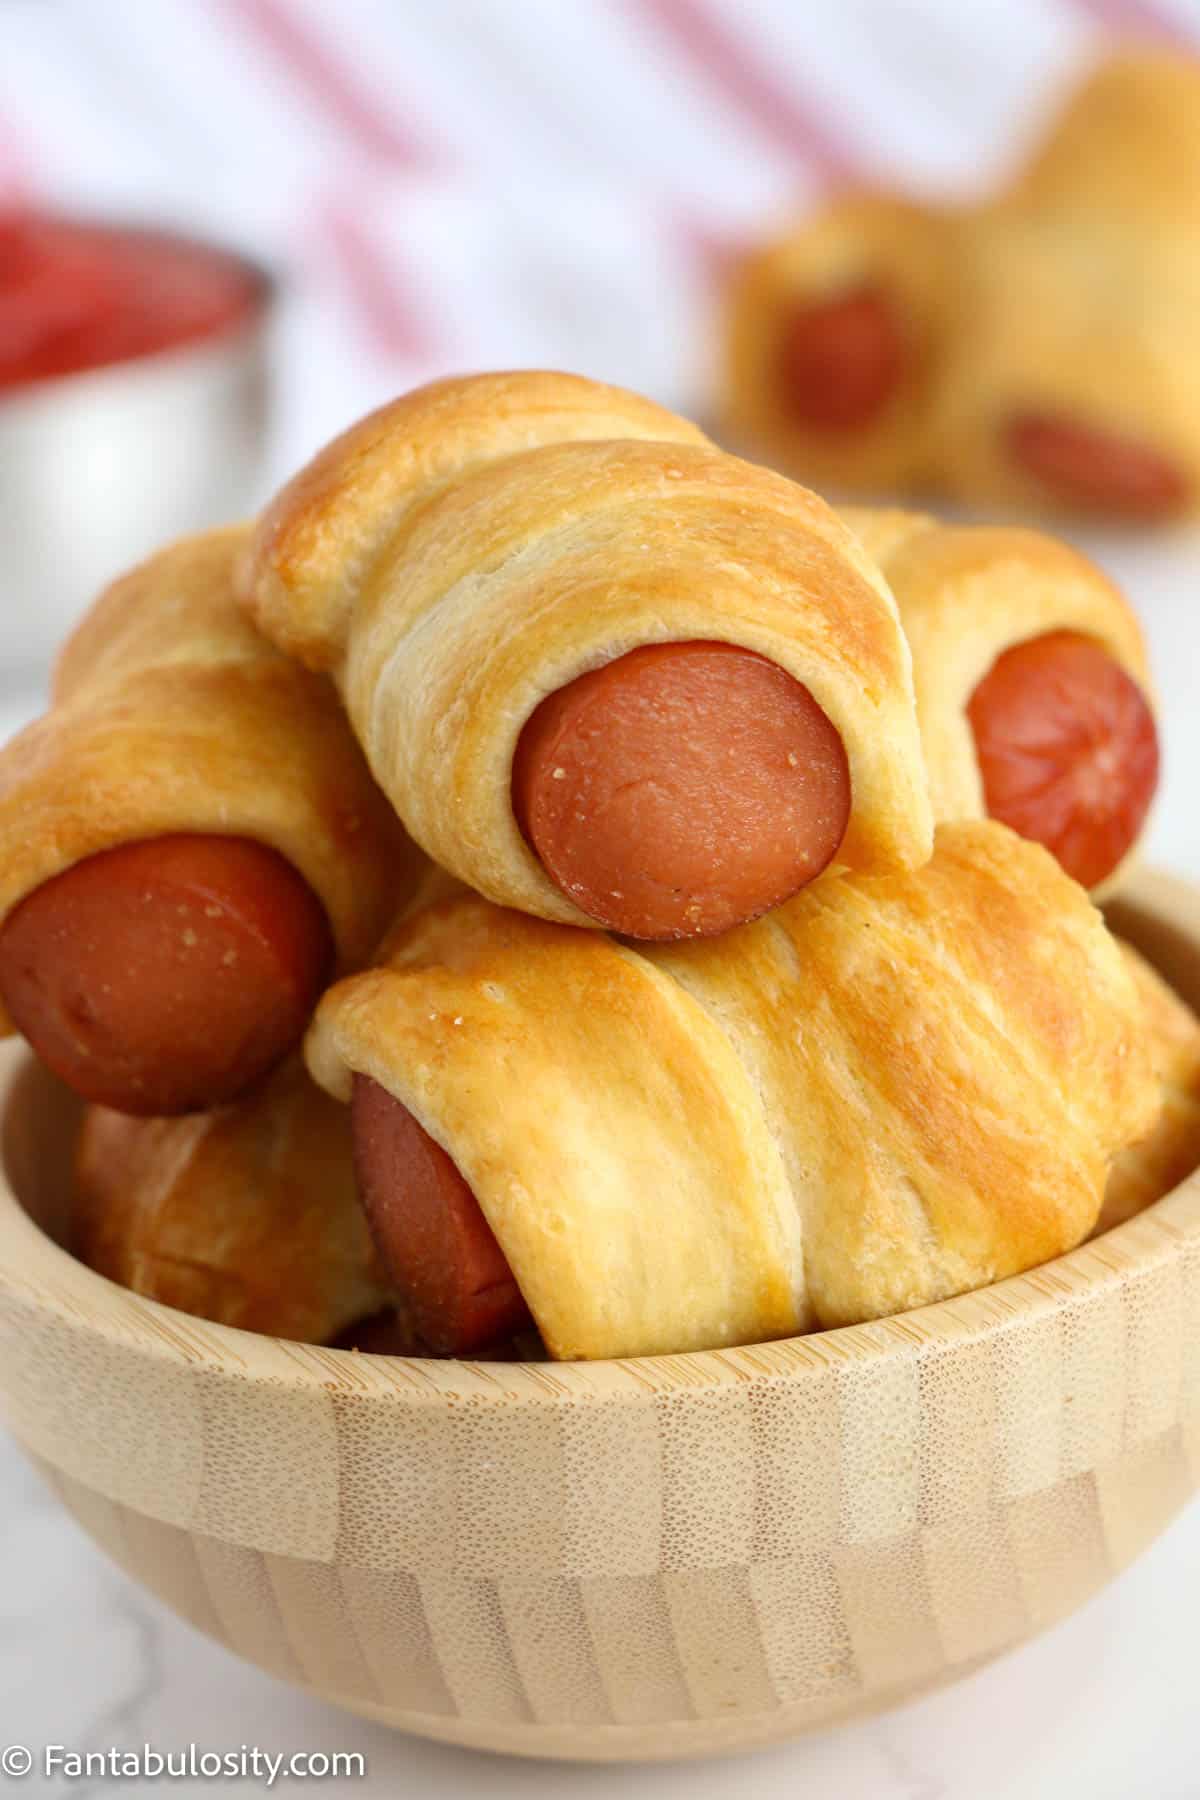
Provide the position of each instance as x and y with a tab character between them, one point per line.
631	1559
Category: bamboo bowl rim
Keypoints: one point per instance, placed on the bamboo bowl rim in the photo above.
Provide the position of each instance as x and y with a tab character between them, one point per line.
38	1271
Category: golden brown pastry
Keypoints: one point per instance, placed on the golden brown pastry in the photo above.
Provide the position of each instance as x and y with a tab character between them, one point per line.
190	843
893	1089
1052	357
1161	1160
833	336
605	673
1032	685
247	1215
1071	383
320	538
1124	146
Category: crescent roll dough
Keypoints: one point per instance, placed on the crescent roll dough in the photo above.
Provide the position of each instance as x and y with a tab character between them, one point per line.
171	714
1126	145
248	1215
1081	291
869	243
1052	353
968	593
1091	321
322	533
1161	1160
481	543
891	1090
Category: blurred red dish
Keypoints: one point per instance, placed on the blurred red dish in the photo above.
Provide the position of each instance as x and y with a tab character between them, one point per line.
77	296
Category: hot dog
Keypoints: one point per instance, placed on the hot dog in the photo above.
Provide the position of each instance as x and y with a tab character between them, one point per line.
681	789
169	975
387	1333
1068	750
1033	685
704	1144
190	846
834	331
391	1333
842	360
1099	471
521	622
430	1230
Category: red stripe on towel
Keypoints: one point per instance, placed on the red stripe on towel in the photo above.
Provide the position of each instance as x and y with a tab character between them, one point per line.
394	322
331	84
1137	18
779	112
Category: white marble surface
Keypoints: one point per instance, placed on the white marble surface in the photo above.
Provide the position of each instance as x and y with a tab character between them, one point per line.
1103	1707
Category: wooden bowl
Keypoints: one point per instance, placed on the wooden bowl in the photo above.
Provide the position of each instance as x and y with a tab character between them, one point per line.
651	1558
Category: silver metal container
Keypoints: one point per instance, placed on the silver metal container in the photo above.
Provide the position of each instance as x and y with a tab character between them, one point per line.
99	468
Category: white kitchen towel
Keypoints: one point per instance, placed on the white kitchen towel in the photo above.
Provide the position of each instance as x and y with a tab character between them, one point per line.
487	182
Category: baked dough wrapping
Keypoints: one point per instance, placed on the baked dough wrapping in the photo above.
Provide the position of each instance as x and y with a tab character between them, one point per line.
171	714
890	1090
1125	147
872	244
1082	283
1083	318
247	1215
1049	360
966	595
481	543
